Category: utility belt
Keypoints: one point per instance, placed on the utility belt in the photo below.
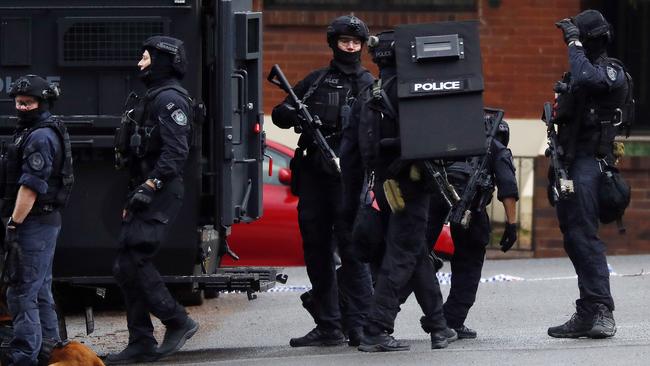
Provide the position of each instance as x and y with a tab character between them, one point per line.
43	209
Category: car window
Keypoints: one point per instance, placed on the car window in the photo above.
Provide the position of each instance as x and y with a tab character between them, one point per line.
279	161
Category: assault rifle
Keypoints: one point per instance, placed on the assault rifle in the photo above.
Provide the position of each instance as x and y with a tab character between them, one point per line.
480	182
309	124
562	187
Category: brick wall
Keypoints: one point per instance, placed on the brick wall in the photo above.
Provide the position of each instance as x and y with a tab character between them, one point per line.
523	53
546	232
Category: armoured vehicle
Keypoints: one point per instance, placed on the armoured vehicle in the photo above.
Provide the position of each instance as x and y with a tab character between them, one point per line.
90	48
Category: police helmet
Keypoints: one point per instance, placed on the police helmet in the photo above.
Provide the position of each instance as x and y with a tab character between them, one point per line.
34	86
346	25
592	24
171	46
382	48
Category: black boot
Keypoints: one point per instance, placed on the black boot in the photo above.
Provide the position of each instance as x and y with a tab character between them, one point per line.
450	334
175	337
604	325
133	353
440	338
465	332
354	336
319	337
382	342
578	326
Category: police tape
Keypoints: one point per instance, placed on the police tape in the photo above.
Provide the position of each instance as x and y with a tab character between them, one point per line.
444	278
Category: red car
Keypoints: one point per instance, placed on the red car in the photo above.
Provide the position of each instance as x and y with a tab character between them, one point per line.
274	240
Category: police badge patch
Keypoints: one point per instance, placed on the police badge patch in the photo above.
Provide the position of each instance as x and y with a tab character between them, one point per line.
611	73
36	161
179	117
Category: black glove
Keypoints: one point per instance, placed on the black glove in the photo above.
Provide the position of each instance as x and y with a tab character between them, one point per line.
290	114
11	232
561	87
509	237
141	197
571	32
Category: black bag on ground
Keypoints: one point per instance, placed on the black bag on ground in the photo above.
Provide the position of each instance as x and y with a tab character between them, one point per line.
613	195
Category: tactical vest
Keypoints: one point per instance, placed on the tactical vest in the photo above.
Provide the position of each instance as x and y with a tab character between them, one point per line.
327	97
600	117
602	114
330	97
138	138
378	125
60	182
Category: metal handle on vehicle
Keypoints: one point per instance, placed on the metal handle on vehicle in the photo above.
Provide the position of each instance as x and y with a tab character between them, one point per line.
242	80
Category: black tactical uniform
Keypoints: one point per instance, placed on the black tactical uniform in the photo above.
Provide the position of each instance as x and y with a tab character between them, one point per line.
163	119
470	243
599	86
40	161
370	142
328	93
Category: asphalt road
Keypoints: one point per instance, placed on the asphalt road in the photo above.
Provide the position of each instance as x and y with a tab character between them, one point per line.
520	300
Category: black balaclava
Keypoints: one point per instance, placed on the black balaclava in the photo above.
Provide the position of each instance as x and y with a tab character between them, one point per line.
346	58
29	117
160	69
596	47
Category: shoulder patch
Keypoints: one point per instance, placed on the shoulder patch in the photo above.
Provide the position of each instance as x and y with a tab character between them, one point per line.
611	73
36	161
179	117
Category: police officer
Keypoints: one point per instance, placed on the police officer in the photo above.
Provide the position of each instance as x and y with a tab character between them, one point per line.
470	243
163	123
598	84
36	184
329	93
371	143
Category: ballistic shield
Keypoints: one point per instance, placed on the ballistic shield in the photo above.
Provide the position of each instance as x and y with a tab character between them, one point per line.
440	86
